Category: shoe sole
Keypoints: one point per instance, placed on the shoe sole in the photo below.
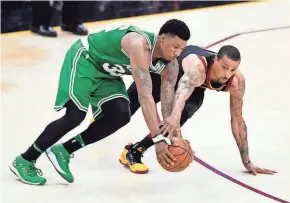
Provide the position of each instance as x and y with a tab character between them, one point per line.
15	172
128	166
48	151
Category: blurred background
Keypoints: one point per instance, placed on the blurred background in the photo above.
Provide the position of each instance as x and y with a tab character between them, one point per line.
41	16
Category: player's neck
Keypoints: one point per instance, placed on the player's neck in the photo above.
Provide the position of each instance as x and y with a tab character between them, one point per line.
212	75
157	52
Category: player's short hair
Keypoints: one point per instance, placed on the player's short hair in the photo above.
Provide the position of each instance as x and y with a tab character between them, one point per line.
230	51
176	28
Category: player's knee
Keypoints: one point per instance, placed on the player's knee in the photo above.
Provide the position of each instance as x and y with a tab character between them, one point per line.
122	117
118	110
73	115
77	119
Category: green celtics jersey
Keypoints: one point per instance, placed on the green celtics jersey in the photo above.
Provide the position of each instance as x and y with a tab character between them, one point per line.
105	49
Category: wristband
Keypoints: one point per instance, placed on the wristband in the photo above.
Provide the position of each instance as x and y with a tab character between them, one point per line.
161	138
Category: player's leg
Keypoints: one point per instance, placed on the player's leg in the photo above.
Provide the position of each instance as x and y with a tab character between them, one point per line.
191	106
68	96
131	156
111	111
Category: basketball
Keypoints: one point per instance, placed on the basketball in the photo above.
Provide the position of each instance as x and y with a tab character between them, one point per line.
183	153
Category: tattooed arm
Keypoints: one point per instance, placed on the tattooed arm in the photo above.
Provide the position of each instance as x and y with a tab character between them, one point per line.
194	76
239	128
168	81
138	49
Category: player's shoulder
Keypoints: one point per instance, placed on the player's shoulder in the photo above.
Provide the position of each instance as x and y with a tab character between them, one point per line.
135	40
238	78
137	35
194	60
238	81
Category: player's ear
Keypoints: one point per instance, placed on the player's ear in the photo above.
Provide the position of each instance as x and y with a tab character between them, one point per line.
215	59
162	37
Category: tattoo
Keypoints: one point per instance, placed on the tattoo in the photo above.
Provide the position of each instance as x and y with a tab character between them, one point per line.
244	126
236	105
240	135
144	78
167	88
239	127
143	81
243	86
236	100
191	79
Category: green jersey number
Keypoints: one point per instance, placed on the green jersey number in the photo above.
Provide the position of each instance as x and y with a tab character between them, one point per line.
115	70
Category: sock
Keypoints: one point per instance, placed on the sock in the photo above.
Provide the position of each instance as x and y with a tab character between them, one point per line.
146	143
32	153
74	144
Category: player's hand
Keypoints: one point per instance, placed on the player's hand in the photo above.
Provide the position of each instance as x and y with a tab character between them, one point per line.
255	170
163	154
175	133
170	124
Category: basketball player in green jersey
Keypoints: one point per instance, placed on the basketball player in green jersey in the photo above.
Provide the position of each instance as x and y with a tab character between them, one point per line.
90	81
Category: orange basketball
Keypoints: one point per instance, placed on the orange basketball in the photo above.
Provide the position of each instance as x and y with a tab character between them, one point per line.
183	154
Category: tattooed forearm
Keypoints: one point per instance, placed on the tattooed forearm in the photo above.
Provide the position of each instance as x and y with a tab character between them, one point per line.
240	135
144	87
142	77
167	88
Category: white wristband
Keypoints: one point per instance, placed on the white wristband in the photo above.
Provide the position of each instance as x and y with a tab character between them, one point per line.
161	138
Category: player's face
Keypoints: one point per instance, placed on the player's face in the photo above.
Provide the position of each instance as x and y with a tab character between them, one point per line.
171	46
224	68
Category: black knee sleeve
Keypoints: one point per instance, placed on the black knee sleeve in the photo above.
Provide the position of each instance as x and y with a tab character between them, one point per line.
117	111
115	114
73	116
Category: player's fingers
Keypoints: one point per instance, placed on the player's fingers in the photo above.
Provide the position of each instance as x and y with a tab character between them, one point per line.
172	158
164	127
167	160
252	170
267	171
273	171
166	130
158	159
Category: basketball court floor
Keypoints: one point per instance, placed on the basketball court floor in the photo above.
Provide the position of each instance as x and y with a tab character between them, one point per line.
30	67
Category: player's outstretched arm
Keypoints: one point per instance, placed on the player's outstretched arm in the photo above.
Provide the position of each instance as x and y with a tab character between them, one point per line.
168	81
140	61
194	76
239	128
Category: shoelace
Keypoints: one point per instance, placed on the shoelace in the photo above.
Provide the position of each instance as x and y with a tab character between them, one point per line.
134	156
66	158
30	169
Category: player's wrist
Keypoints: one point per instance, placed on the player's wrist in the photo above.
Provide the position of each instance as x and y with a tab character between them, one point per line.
176	114
160	138
247	162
